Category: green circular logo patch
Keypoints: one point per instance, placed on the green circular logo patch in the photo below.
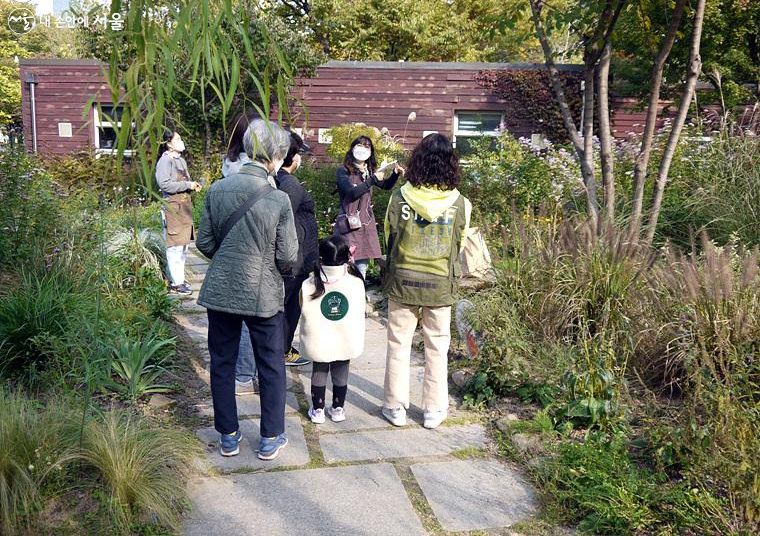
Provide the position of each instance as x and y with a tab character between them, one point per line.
334	306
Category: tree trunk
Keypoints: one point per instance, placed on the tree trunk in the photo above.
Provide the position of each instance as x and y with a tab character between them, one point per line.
642	160
695	66
588	144
605	134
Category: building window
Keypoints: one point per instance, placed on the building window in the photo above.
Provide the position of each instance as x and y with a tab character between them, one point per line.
105	133
472	126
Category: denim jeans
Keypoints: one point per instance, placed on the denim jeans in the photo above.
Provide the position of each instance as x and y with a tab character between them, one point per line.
245	369
361	265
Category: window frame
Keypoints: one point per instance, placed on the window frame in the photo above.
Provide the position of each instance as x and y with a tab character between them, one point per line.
98	124
476	134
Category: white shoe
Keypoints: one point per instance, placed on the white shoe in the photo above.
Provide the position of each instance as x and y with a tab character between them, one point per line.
251	387
396	416
317	416
434	417
337	414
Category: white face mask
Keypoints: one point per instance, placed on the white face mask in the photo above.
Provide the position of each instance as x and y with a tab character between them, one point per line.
296	162
277	165
361	153
178	145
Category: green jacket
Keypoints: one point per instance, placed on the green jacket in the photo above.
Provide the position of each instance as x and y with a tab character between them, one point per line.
424	230
245	273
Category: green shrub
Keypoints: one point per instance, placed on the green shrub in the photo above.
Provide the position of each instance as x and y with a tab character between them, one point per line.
507	177
597	485
386	147
30	210
142	468
88	170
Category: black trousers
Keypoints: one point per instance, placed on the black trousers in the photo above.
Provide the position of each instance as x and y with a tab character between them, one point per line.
223	343
292	306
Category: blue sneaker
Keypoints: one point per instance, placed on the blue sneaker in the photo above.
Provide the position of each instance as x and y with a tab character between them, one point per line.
270	446
230	443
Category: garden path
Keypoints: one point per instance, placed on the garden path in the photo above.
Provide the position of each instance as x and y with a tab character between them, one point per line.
360	476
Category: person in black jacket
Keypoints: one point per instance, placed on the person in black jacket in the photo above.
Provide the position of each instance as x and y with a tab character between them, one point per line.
308	245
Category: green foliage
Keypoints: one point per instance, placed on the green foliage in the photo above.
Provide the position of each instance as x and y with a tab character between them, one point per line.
386	147
533	102
170	58
516	176
75	171
36	443
597	485
30	210
137	365
45	307
141	468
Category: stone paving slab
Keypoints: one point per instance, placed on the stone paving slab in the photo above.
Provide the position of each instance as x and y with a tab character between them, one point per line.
365	398
205	375
294	453
196	326
197	269
249	405
470	495
358	500
401	443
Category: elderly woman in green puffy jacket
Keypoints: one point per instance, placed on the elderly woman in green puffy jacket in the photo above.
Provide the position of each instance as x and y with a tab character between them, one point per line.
244	283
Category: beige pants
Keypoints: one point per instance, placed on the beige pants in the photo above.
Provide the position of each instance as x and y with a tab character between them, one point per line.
436	329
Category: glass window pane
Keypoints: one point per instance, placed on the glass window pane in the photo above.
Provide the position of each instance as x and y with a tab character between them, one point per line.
467	145
106	137
111	113
477	122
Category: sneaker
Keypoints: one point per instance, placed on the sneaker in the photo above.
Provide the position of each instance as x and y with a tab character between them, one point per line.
337	414
230	443
183	289
396	416
251	387
434	417
293	358
269	447
317	416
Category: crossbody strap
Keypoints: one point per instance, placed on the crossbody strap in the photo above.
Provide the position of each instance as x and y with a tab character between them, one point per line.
242	210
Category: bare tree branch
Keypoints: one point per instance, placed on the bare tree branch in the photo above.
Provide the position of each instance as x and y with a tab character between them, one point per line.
642	160
695	66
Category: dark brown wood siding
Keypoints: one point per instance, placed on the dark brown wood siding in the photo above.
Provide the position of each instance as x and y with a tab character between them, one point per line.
385	96
62	92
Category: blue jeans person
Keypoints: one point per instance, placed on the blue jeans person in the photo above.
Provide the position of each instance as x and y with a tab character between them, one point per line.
245	369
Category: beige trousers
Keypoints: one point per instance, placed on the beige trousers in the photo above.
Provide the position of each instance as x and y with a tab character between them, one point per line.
436	329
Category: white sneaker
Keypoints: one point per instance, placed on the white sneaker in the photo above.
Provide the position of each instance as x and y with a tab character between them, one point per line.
337	414
434	417
396	416
317	416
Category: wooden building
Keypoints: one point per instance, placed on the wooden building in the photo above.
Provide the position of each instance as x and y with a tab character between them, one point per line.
59	114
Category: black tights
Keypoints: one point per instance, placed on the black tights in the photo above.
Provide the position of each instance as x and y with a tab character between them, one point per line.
339	372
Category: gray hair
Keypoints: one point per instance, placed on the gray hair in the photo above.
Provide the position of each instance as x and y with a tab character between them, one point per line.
266	141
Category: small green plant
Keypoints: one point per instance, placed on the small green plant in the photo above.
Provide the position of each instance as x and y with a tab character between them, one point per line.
137	364
142	468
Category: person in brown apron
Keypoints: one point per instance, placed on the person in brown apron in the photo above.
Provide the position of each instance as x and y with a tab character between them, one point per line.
354	181
177	212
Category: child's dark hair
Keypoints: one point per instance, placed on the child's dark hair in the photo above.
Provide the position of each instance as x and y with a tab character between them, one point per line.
333	251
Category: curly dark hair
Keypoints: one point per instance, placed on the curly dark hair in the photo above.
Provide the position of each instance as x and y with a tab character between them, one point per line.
434	163
348	161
